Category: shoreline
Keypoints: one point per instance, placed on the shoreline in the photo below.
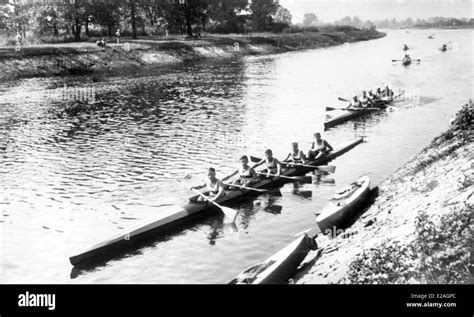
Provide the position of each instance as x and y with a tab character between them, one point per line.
48	60
418	230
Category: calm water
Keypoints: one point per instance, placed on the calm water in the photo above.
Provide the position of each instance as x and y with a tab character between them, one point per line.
67	182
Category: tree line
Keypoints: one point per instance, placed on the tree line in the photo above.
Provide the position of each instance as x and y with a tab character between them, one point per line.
77	18
311	20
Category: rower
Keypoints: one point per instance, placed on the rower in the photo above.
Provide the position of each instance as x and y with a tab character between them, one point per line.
319	147
388	93
247	175
296	155
273	165
355	103
364	100
407	58
379	93
372	98
214	185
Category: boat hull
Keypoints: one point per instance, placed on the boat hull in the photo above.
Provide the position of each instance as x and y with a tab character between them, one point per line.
343	206
351	114
176	216
281	266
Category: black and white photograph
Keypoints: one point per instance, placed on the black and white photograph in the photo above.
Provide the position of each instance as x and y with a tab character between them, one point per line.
224	142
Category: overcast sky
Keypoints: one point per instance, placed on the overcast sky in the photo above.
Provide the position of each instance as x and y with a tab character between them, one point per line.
331	10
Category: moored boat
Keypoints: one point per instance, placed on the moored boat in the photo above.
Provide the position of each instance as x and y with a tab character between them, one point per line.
173	217
281	266
343	205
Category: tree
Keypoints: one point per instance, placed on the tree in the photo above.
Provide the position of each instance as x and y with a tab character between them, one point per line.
262	12
356	21
345	21
283	15
182	16
310	19
228	15
106	15
133	19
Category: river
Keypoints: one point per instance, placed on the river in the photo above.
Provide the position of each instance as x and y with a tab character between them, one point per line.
67	182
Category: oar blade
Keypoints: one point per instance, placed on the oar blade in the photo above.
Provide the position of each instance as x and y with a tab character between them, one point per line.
327	168
254	159
331	108
230	214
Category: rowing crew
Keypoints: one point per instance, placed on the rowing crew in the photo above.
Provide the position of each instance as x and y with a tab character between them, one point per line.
369	99
248	176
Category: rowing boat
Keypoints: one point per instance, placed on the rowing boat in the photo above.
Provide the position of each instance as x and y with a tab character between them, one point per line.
343	205
354	113
406	62
281	266
171	218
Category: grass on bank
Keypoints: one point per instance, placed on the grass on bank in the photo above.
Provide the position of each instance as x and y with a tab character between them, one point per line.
439	254
325	36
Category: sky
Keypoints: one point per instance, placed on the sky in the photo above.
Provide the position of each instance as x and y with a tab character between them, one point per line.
331	10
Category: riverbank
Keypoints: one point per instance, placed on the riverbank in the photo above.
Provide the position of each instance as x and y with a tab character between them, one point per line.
87	58
419	230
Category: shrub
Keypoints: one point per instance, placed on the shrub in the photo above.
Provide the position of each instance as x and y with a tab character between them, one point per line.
297	29
277	27
438	254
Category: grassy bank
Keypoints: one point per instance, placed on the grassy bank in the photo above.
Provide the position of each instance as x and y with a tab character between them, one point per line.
87	58
419	230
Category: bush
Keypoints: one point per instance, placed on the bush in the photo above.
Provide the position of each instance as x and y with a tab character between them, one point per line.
297	29
439	254
345	28
277	27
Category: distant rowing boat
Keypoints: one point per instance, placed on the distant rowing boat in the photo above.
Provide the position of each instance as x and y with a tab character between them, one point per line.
173	217
354	113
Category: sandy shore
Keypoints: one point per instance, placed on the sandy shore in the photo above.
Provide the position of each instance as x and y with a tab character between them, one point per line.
419	230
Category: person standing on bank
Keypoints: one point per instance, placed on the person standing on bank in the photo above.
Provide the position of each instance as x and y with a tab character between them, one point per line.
118	36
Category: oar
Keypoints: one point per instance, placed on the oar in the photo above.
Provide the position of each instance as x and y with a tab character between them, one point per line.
312	232
250	188
295	178
401	60
342	99
347	108
243	187
326	168
229	212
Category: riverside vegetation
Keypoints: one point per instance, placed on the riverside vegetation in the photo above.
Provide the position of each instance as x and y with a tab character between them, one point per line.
419	231
86	58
